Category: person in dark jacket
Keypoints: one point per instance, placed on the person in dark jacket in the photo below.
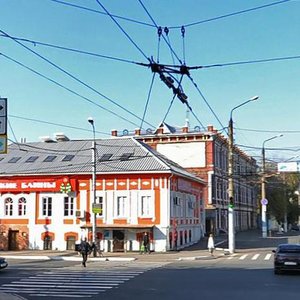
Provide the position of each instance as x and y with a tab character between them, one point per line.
146	243
85	248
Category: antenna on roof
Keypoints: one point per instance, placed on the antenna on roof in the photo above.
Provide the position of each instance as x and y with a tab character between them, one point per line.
187	118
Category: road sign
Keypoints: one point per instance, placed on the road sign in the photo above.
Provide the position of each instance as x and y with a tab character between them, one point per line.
264	201
96	208
3	144
3	115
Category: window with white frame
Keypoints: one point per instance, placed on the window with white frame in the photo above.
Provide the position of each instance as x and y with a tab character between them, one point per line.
68	206
22	206
8	206
47	206
121	206
146	206
99	201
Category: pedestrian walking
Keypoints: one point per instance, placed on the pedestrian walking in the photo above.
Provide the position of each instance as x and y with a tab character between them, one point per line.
146	243
85	249
211	244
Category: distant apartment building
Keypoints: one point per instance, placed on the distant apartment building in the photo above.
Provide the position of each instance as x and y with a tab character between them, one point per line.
47	199
205	154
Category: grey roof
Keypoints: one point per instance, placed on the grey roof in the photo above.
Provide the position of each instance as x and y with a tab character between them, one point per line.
114	155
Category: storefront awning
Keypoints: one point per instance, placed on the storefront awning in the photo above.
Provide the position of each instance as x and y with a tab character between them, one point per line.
119	226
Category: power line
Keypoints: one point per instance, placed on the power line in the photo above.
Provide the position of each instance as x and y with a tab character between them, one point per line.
153	21
231	14
178	26
103	13
56	124
73	77
126	34
148	99
245	62
206	102
72	49
68	89
264	131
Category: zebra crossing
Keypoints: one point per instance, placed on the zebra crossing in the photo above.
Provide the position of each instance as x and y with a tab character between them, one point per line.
66	283
251	256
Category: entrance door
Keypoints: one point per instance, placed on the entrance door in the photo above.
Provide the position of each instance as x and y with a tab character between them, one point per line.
118	240
12	240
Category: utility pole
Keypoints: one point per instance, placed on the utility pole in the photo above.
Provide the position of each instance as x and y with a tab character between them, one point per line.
91	121
231	234
264	200
231	222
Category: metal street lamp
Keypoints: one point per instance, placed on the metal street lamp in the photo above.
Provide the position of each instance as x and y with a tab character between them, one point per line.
264	201
91	121
231	234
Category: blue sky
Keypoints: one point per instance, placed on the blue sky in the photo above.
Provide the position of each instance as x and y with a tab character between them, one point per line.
222	37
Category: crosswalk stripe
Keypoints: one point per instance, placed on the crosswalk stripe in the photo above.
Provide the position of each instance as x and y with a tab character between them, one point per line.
268	256
255	257
243	257
74	284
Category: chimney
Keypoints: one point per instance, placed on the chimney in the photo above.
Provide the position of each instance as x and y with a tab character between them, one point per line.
185	129
160	130
211	128
137	131
114	132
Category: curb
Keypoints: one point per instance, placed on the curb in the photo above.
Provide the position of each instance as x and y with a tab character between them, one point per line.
70	258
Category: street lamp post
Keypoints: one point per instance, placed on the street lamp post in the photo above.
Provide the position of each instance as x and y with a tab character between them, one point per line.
91	121
264	201
231	234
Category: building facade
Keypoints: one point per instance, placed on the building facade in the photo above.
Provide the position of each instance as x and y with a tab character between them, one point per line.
47	199
205	154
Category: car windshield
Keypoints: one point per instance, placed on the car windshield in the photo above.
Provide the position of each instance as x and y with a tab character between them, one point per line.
289	249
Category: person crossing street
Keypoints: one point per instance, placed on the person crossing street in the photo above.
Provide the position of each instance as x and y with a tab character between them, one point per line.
85	249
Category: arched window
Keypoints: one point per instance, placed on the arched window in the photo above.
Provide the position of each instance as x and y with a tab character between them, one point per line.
22	206
8	207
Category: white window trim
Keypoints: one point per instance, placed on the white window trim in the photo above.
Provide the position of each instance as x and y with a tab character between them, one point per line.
149	194
41	205
126	213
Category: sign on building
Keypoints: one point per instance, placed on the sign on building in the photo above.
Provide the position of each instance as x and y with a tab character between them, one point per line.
291	166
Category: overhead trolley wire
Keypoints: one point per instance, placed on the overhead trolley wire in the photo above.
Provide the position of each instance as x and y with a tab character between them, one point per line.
177	26
72	50
66	88
153	21
231	14
121	28
102	13
73	77
57	124
206	102
148	99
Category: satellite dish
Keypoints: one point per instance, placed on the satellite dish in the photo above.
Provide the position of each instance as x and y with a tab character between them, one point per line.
125	132
197	128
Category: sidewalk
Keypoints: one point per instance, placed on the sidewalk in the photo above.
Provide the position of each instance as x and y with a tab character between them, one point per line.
250	240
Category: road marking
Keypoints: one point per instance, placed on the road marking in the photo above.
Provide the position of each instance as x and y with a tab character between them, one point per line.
243	257
255	257
268	256
232	256
73	283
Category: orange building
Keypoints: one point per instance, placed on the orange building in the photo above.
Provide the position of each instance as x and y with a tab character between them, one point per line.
47	198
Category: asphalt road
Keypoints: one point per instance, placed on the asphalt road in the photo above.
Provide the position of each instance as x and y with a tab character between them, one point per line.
246	275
